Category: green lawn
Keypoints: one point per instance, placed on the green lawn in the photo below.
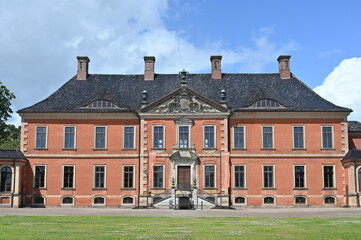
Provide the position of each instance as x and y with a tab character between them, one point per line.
44	227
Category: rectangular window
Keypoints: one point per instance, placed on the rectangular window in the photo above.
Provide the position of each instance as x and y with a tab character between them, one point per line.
300	177
239	177
238	137
128	177
158	134
100	137
268	177
41	137
129	137
328	175
298	138
208	136
39	178
158	176
183	137
69	137
68	176
267	136
99	177
327	138
209	176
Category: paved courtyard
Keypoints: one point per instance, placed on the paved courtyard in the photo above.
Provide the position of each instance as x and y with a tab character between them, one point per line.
251	212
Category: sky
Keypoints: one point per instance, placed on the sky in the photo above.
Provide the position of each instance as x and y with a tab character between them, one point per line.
40	39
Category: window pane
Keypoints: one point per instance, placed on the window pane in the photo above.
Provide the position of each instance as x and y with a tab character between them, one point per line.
99	177
39	181
209	136
209	176
158	137
128	137
268	176
5	185
69	137
327	137
183	137
299	176
267	137
328	176
100	137
40	137
239	176
158	176
68	177
239	137
128	176
298	137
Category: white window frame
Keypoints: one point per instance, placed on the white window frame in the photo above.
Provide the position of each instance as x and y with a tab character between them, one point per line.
45	176
215	176
64	134
333	137
303	140
244	137
214	137
105	137
300	204
164	171
134	136
328	204
274	176
269	204
234	176
105	176
128	204
294	175
333	177
134	177
46	136
158	125
12	177
62	176
273	137
97	204
240	204
67	204
189	135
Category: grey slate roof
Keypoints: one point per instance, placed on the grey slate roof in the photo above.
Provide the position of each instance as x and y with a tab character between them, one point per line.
125	91
354	126
11	154
352	154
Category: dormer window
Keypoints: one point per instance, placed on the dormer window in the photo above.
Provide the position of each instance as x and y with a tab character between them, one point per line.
102	104
266	102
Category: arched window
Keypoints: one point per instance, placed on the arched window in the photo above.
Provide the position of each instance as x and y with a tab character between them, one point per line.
269	200
239	200
38	200
359	179
300	200
101	104
68	200
127	200
5	184
266	102
99	200
330	200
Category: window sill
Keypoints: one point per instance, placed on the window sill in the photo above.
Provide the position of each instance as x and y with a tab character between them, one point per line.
299	149
209	149
300	188
68	189
329	188
158	149
100	149
129	149
239	149
328	149
268	149
99	189
128	188
239	188
184	149
157	188
69	149
41	149
269	188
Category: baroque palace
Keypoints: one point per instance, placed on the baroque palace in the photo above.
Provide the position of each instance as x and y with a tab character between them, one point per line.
184	141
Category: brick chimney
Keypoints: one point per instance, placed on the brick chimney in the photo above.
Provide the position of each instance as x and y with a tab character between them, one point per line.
149	62
216	67
284	66
83	67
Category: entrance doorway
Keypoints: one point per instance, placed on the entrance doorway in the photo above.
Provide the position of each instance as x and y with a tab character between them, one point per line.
184	178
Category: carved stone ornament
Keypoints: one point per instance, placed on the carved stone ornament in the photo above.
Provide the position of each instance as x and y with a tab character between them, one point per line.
184	102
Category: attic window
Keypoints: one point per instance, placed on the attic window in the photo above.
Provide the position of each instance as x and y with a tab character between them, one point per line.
266	103
101	104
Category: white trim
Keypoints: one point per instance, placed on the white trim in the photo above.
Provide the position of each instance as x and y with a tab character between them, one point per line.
105	175
62	179
12	177
45	175
330	204
303	139
163	140
128	204
244	137
333	175
234	175
288	115
273	175
273	137
189	135
163	183
98	204
215	175
305	175
46	136
300	204
214	136
67	204
134	179
269	204
134	135
105	137
65	126
333	136
240	204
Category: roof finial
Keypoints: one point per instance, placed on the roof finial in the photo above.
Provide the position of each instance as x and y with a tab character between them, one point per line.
184	77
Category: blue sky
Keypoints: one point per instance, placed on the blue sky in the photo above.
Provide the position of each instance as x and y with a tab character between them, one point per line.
39	42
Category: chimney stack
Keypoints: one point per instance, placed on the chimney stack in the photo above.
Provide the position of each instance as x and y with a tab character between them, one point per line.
284	66
83	67
149	62
216	67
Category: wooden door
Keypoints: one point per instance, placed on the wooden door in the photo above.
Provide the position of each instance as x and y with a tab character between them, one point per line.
184	178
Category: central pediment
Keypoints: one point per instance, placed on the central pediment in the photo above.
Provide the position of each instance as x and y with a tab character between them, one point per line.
183	101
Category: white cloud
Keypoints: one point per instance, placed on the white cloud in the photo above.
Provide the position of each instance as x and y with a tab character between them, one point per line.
40	41
343	86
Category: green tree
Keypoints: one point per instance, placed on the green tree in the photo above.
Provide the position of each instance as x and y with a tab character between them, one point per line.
9	134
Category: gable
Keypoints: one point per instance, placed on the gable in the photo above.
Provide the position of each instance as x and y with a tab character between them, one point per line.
183	100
